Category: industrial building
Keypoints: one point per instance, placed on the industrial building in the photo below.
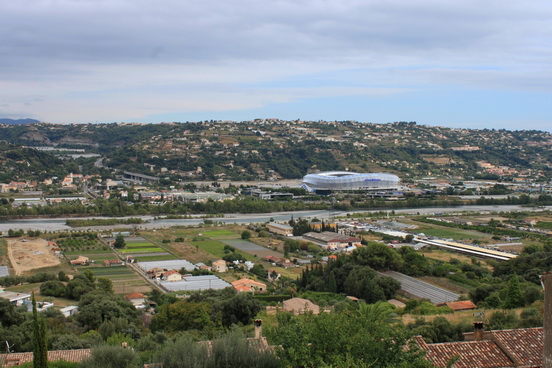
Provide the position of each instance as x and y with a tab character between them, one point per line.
351	181
331	240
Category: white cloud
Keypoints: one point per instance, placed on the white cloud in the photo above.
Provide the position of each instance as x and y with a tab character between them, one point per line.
90	58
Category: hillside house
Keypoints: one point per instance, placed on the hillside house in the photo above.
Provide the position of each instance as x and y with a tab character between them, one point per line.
248	285
219	266
172	276
137	299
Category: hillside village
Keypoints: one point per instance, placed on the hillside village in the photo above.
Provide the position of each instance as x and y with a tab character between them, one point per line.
446	284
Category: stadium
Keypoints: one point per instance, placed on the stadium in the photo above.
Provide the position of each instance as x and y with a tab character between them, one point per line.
351	181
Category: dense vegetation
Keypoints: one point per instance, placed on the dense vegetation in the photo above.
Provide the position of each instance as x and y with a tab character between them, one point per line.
262	150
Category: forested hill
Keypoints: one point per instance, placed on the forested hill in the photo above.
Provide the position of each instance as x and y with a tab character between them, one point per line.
275	149
19	163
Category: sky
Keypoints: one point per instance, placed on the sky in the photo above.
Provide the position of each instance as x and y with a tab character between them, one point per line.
456	63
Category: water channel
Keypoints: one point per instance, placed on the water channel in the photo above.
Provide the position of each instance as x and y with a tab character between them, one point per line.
59	223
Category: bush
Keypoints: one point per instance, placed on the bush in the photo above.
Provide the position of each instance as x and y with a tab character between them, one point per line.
111	357
52	288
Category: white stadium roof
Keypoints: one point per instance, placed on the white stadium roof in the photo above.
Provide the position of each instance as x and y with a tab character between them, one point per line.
348	180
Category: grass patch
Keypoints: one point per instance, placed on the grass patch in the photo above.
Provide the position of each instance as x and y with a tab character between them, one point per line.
213	247
25	288
221	234
450	233
3	248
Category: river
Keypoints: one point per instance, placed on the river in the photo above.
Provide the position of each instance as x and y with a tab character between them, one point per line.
56	224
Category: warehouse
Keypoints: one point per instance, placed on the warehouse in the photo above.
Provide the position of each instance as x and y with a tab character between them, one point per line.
331	240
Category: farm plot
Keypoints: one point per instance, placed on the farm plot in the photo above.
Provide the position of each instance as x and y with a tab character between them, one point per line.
140	247
221	234
452	233
251	248
124	279
94	257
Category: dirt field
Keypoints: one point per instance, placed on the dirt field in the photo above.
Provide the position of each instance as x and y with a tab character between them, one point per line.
27	254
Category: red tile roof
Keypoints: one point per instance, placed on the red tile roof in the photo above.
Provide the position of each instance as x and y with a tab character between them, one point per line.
472	354
135	296
15	359
462	305
521	347
524	345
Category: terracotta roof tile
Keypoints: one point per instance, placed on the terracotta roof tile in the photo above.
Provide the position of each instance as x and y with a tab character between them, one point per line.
461	305
480	354
525	345
68	355
521	347
135	296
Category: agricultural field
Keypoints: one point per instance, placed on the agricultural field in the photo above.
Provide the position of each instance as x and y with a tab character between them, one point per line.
222	234
124	279
142	249
87	245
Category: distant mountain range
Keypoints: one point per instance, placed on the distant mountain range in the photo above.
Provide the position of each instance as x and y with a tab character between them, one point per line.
18	121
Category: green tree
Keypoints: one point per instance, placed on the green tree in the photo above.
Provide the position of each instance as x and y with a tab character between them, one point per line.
52	288
119	242
245	235
112	357
514	298
40	344
241	308
182	316
98	306
346	339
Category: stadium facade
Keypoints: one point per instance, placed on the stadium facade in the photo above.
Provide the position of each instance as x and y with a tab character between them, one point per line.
351	181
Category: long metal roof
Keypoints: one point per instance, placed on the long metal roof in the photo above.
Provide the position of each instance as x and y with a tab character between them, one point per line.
196	283
167	265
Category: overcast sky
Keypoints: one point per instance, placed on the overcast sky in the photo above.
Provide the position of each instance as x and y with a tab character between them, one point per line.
465	63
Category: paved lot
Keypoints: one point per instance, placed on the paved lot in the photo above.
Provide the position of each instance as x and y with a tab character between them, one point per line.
422	289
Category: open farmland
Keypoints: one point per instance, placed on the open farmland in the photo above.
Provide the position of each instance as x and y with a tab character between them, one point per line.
252	248
124	279
221	234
